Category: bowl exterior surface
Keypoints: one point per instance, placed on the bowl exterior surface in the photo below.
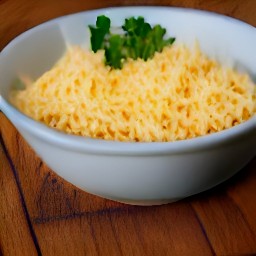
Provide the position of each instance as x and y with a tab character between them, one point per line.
147	179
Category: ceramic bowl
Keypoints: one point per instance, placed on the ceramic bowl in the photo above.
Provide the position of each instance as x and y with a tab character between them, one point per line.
135	172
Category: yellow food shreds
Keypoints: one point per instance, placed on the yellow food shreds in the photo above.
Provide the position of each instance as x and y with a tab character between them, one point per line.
178	94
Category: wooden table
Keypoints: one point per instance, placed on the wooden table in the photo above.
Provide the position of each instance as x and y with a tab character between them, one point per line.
41	214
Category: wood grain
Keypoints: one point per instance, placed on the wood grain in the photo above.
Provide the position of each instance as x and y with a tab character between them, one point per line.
41	214
16	236
231	232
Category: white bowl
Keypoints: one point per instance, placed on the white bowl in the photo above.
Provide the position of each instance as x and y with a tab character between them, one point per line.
136	173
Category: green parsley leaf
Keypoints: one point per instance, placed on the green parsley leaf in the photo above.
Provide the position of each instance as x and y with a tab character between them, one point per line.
138	40
113	52
99	32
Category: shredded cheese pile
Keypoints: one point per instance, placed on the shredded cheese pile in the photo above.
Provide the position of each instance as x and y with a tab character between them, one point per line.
179	94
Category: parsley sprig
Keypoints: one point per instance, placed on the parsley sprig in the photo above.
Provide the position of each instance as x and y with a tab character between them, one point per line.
136	40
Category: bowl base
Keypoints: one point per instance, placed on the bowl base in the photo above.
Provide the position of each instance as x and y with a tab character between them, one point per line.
141	202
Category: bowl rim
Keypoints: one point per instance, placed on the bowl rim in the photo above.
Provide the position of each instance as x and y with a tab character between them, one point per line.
96	11
101	146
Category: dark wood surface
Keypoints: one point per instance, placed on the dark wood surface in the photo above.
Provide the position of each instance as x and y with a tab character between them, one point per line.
41	214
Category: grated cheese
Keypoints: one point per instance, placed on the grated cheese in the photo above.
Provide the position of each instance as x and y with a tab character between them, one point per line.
179	94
